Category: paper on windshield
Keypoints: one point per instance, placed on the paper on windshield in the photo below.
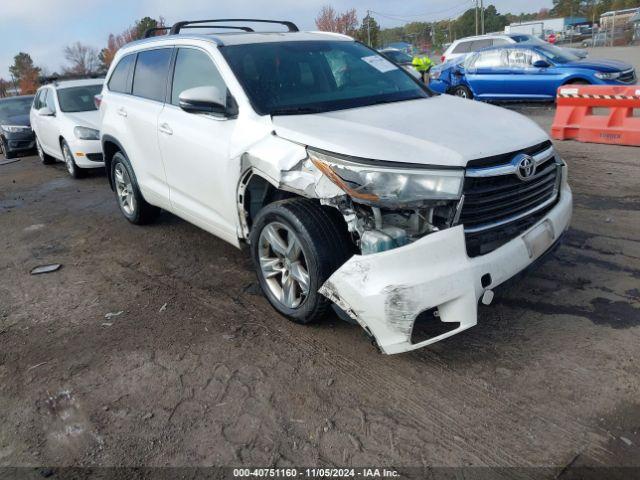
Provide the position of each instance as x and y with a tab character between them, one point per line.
380	63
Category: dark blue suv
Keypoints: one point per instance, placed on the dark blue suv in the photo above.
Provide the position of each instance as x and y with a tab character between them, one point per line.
525	72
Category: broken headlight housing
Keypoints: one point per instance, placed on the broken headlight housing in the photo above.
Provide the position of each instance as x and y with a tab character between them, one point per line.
389	186
392	205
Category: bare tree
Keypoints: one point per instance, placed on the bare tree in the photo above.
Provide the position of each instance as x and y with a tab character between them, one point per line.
83	59
4	88
328	20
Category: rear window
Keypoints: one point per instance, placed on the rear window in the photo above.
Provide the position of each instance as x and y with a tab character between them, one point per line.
150	76
119	81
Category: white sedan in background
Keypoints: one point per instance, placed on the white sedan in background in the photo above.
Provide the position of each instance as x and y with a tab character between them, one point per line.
66	122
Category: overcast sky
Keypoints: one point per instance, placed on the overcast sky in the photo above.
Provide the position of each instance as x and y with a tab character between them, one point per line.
43	27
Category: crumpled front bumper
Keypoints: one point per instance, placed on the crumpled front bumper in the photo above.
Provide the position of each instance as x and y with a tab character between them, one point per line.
385	292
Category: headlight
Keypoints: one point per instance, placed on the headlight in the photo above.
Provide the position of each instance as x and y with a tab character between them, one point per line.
85	133
608	76
15	128
389	186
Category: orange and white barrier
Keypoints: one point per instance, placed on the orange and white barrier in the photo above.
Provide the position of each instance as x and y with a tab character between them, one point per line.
576	119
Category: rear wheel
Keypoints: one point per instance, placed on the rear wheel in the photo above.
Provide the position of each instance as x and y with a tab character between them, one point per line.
44	158
130	200
296	245
462	92
74	170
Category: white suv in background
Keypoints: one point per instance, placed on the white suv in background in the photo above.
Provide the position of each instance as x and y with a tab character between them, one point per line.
66	122
463	46
354	186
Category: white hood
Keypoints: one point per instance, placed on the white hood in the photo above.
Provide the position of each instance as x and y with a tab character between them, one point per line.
441	130
89	119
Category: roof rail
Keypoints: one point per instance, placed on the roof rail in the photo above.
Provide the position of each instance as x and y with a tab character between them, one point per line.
150	31
180	25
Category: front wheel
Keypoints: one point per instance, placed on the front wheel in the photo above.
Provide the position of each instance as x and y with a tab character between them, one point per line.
462	92
74	170
296	245
8	154
130	200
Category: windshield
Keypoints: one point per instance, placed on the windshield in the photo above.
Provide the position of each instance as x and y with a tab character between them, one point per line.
397	56
78	99
287	78
558	55
14	107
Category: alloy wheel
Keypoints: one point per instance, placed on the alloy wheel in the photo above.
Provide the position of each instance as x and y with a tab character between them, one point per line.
283	264
40	151
124	189
68	160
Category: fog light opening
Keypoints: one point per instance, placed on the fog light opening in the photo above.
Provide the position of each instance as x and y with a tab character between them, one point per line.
428	325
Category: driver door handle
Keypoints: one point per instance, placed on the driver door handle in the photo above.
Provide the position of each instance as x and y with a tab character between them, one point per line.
165	128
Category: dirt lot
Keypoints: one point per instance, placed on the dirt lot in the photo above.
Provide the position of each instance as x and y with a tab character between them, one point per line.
199	370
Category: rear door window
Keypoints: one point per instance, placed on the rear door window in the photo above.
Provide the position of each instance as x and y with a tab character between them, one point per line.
151	72
462	47
119	81
498	42
479	44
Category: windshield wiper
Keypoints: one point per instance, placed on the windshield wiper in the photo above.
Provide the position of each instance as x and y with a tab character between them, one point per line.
296	110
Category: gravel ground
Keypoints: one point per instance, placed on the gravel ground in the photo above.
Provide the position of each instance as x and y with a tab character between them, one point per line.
153	347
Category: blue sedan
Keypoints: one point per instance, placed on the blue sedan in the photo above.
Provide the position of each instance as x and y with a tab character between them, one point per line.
524	72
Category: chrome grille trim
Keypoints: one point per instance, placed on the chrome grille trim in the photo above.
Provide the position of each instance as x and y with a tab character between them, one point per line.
511	167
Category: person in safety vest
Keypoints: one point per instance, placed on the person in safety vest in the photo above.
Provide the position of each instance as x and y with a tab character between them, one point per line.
423	64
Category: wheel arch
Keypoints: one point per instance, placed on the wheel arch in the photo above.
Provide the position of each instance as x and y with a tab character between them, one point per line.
255	191
110	146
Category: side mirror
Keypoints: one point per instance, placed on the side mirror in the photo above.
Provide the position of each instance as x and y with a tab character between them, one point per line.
46	112
541	64
207	100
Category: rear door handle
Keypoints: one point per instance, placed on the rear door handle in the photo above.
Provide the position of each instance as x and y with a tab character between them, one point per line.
165	128
122	112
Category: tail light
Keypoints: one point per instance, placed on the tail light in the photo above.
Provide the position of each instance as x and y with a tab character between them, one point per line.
97	100
443	58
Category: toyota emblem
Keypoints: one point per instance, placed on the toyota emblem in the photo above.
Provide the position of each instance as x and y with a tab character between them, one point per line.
525	167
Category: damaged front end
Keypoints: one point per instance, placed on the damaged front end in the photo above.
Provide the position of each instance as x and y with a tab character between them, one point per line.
404	221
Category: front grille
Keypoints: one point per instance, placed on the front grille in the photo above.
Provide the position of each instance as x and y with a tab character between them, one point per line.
628	77
498	208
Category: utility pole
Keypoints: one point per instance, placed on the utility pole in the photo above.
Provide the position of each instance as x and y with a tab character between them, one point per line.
482	16
476	17
593	22
368	28
613	28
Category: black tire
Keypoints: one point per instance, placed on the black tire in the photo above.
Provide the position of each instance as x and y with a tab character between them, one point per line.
142	212
578	82
44	158
324	241
8	154
462	92
74	170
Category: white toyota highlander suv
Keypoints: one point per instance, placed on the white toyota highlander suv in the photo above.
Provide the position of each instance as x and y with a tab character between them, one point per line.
355	187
